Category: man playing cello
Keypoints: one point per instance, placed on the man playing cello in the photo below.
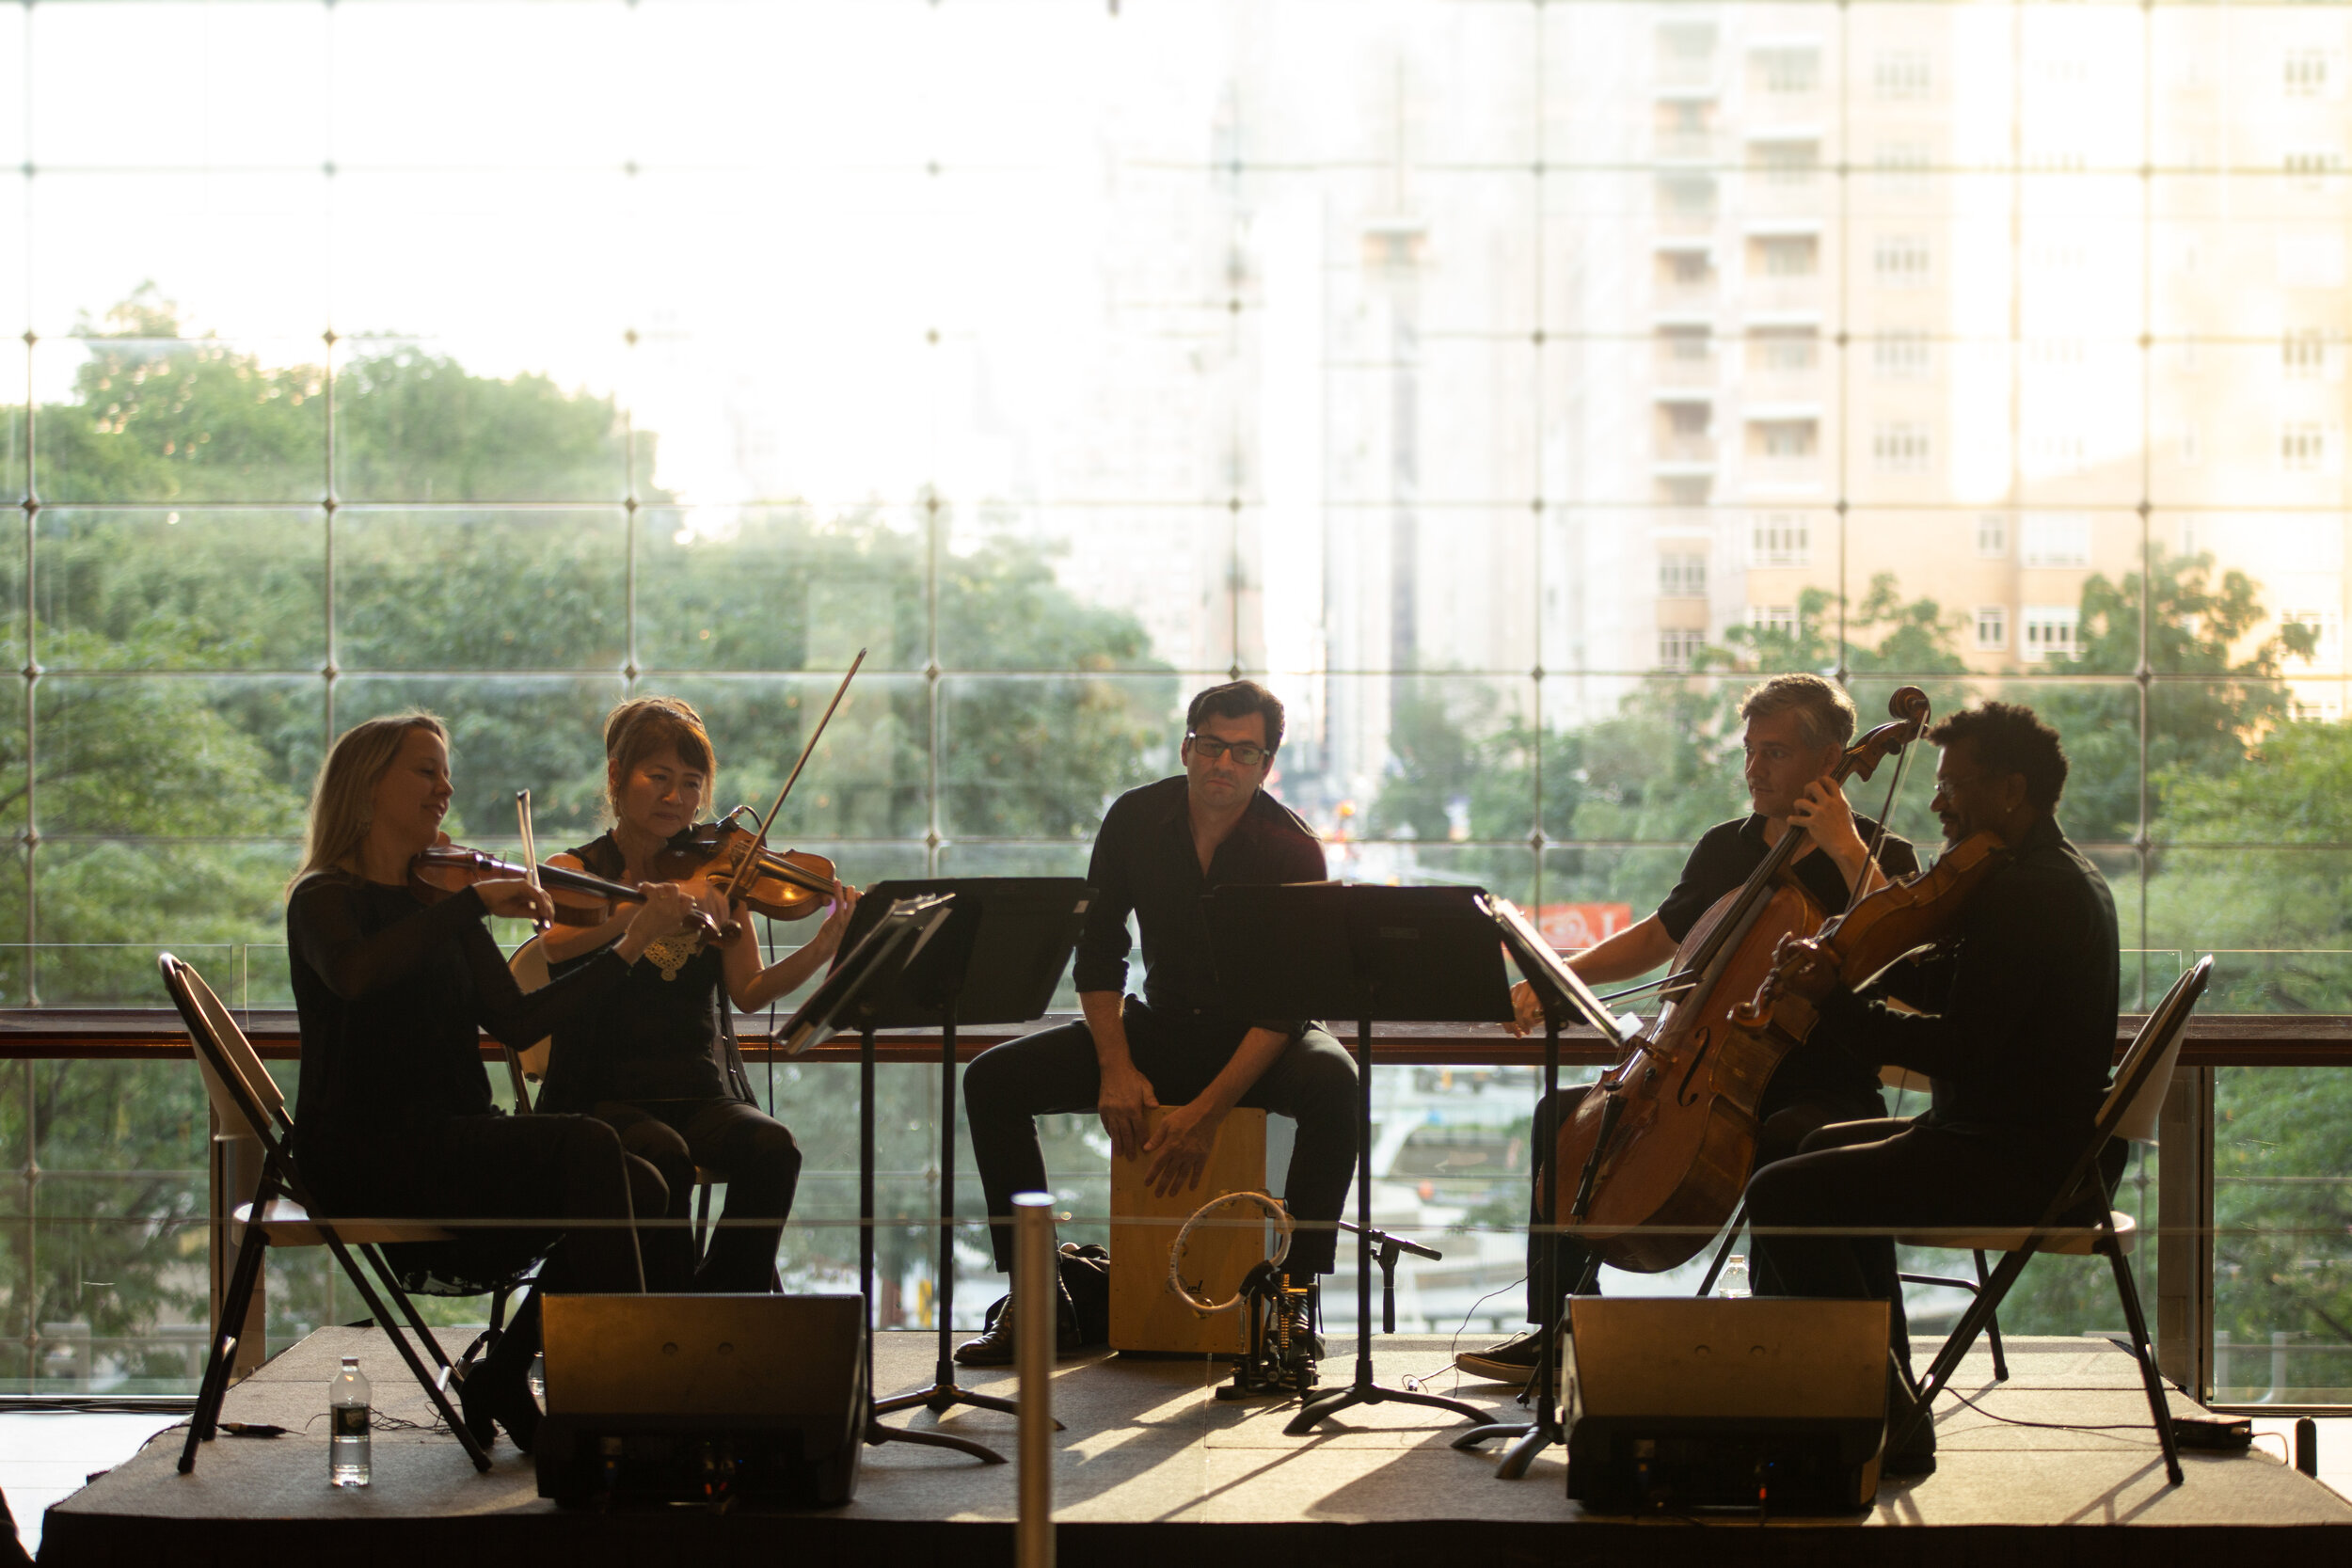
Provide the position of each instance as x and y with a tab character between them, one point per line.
1796	729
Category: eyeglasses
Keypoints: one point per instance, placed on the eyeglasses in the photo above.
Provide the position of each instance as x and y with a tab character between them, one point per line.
1243	752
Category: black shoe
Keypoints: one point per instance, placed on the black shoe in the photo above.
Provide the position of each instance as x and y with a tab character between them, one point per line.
484	1400
1510	1361
996	1346
1915	1459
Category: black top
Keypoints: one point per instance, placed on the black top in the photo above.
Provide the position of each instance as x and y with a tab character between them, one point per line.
1726	853
1144	862
391	993
1720	861
655	1039
2026	1033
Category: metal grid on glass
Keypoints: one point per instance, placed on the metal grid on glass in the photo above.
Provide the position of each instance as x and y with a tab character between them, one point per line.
1505	382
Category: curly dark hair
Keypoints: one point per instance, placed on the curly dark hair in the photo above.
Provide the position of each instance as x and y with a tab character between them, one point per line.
1239	700
2010	738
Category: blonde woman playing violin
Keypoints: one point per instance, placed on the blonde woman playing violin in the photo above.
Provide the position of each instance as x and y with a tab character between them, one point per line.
651	1062
393	1117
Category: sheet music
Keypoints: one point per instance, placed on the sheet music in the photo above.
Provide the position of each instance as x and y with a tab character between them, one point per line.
1547	970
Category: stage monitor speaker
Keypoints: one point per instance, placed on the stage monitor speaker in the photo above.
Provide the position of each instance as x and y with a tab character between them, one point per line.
703	1397
1680	1405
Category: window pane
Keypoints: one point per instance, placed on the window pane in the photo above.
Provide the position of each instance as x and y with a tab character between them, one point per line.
130	417
482	590
781	588
207	587
1023	757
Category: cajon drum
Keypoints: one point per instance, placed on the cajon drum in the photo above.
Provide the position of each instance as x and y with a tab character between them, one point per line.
1145	1314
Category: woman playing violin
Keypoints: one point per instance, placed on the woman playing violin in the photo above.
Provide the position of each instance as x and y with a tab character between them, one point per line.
393	1114
654	1061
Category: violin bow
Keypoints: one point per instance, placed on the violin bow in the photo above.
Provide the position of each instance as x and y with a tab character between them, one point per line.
531	849
760	845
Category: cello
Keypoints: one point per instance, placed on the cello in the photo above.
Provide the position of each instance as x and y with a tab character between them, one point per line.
1653	1161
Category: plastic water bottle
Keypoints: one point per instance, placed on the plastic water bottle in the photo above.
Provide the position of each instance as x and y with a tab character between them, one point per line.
1733	1285
536	1379
347	1445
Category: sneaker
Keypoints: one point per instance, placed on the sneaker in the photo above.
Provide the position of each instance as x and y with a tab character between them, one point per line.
1510	1361
995	1346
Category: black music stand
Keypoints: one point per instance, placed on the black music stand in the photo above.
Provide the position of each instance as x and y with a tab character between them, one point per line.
846	999
998	960
1564	996
1392	954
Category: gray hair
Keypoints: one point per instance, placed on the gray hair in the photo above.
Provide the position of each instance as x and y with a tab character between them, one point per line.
1825	715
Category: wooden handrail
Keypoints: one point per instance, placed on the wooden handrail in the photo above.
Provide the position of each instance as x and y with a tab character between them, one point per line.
155	1034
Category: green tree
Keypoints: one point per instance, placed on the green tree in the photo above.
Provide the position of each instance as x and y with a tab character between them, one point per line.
2197	726
180	717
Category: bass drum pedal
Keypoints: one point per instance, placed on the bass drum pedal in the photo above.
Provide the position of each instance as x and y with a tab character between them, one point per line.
1284	1350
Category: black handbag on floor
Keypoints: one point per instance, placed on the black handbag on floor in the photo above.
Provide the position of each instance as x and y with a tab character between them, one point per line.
1085	1295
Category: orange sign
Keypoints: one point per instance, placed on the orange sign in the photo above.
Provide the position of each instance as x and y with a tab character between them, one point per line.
1574	926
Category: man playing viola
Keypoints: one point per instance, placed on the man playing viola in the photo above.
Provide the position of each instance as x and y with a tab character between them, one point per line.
1796	729
1161	849
2018	1039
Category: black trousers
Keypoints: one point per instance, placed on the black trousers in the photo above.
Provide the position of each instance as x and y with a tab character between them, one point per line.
564	1180
1887	1176
1053	1072
1789	1117
755	1154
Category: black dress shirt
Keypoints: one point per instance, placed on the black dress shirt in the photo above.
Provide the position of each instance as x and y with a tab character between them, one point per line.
1720	861
656	1035
1726	853
390	992
2025	1035
1144	862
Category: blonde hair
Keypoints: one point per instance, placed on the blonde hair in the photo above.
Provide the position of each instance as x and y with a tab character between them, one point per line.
643	725
343	801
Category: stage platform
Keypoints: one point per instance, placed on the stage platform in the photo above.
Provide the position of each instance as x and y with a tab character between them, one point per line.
1154	1470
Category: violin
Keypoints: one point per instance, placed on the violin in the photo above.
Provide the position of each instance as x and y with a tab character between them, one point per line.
1856	947
787	885
581	898
1656	1155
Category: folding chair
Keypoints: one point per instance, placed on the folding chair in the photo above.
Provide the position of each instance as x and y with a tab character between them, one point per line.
1900	1079
247	1103
2130	1112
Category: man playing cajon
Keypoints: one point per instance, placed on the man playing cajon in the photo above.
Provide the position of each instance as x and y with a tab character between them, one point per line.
1162	847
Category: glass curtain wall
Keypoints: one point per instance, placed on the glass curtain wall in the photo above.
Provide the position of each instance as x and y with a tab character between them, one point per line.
1506	384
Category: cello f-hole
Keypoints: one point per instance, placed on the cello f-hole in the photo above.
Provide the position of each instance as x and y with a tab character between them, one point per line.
1702	1037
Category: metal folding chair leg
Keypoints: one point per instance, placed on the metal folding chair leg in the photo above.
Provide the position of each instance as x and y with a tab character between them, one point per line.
1992	1325
214	1388
2159	1409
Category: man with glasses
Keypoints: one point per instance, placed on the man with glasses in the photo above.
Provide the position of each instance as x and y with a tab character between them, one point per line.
1161	847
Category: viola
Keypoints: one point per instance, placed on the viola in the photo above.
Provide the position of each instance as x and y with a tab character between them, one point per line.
1856	947
581	898
1657	1152
787	885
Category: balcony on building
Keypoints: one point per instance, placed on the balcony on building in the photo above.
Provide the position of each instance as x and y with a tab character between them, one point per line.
1683	273
1685	353
1782	265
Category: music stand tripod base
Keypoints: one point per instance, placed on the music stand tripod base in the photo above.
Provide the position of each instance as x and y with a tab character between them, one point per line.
996	961
1363	1389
